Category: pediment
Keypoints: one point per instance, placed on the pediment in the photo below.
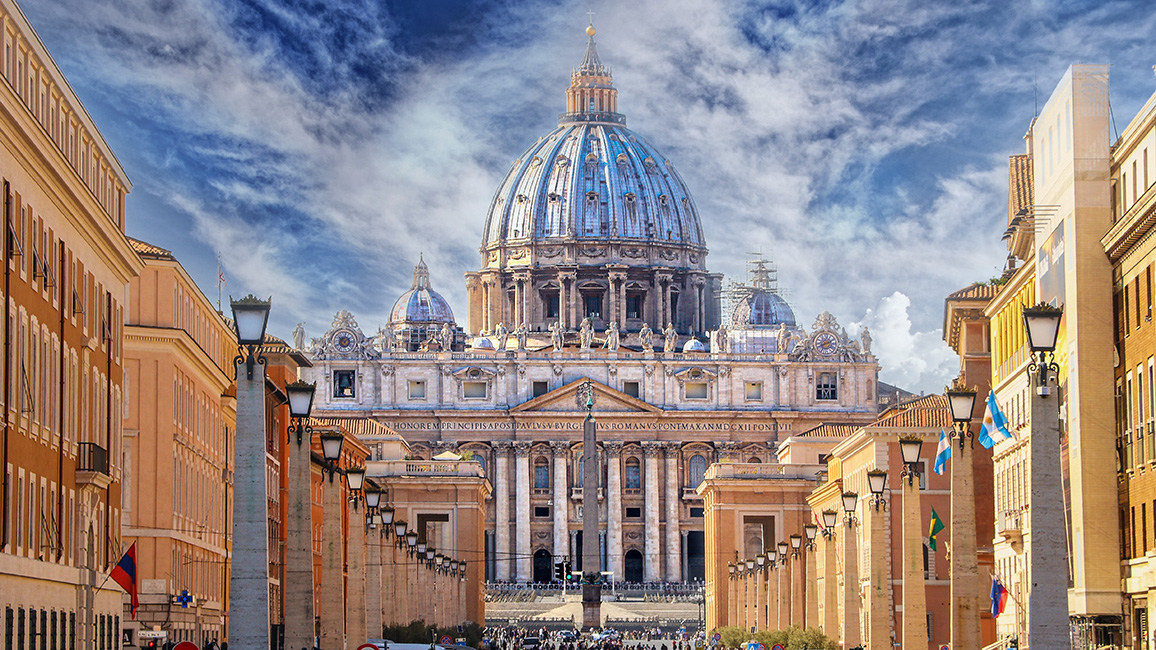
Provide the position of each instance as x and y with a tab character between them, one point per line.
565	399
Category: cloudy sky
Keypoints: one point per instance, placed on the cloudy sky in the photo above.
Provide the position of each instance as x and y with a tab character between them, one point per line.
319	145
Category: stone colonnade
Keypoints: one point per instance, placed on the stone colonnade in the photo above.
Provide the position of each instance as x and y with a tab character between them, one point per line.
662	491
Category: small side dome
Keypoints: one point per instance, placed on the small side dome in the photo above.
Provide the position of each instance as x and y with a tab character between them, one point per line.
694	345
763	309
421	304
482	344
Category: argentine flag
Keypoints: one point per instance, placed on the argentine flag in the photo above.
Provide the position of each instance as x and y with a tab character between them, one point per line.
942	453
994	427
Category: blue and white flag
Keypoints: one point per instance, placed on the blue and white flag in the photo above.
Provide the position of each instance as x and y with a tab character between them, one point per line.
942	453
994	427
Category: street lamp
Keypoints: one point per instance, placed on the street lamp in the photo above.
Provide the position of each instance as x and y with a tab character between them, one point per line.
250	318
962	402
830	518
783	547
796	544
249	575
354	480
372	496
331	444
909	448
411	541
761	560
850	499
300	406
399	527
811	531
1042	323
877	482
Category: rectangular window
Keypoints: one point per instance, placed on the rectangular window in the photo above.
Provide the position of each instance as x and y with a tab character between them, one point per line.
1127	307
344	383
825	386
1143	528
633	513
696	390
631	388
696	512
551	305
542	511
754	391
593	304
474	389
541	388
634	306
417	389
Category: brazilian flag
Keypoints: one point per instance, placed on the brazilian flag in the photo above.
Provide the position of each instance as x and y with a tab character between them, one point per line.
936	526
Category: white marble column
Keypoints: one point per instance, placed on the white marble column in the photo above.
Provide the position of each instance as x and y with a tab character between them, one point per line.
673	529
561	511
523	564
249	580
613	451
653	551
502	551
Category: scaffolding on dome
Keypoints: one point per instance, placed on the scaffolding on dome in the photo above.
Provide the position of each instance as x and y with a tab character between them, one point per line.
762	275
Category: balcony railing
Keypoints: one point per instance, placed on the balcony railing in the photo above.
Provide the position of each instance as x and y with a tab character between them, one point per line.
1009	524
762	470
92	458
423	468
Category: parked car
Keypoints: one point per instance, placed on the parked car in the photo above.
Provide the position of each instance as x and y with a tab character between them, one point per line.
531	643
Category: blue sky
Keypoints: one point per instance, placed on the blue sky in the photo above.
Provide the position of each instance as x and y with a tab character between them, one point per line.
320	145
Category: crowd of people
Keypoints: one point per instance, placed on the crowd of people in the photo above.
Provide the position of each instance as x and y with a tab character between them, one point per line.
518	638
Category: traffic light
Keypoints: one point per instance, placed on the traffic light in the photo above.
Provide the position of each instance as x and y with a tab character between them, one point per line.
559	570
569	571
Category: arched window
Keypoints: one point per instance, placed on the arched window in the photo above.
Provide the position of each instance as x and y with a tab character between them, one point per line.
578	474
541	474
481	461
633	474
697	470
754	459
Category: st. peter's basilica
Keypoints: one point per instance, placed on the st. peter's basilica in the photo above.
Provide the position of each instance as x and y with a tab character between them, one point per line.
593	267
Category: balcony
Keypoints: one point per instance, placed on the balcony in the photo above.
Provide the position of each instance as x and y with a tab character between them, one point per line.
576	494
690	494
92	466
1009	525
463	468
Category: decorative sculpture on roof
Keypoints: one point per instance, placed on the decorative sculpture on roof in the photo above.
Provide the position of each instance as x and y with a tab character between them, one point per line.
670	342
613	338
299	337
385	339
828	341
720	343
344	340
522	334
585	335
865	338
557	335
447	337
503	336
646	336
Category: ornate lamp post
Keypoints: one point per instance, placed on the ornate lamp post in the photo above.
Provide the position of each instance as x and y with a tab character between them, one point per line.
299	619
249	577
1048	622
749	585
732	593
965	588
830	585
760	591
811	615
773	596
914	593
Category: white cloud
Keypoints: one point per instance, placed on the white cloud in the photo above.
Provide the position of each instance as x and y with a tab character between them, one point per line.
912	360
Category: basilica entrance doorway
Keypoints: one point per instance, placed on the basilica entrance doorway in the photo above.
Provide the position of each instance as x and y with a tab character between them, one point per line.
695	556
543	566
633	566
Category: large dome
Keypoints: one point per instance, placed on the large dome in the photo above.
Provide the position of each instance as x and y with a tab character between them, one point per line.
593	181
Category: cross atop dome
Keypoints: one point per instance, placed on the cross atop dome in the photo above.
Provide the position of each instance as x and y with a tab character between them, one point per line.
591	64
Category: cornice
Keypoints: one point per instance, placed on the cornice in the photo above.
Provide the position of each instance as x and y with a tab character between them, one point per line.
169	339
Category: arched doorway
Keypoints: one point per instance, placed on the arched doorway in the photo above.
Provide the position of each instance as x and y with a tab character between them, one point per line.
543	566
633	566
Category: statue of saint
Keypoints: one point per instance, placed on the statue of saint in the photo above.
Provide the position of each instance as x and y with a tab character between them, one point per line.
720	339
447	337
670	342
782	337
299	337
522	333
865	337
646	336
557	335
613	338
502	335
586	334
385	339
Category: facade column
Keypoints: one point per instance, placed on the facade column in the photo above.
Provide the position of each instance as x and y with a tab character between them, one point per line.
299	632
487	308
965	583
914	593
355	605
519	312
696	285
524	562
613	451
612	295
811	587
561	502
575	298
502	551
652	551
332	604
562	315
851	631
673	539
249	579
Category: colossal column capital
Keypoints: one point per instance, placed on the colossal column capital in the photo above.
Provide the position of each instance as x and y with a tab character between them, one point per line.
650	449
522	448
503	446
672	447
560	447
612	447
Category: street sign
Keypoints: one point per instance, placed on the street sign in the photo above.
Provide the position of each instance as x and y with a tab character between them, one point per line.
184	599
777	646
367	646
152	634
944	647
186	645
446	640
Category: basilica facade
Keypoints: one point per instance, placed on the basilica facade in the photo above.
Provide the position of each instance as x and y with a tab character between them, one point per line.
594	270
